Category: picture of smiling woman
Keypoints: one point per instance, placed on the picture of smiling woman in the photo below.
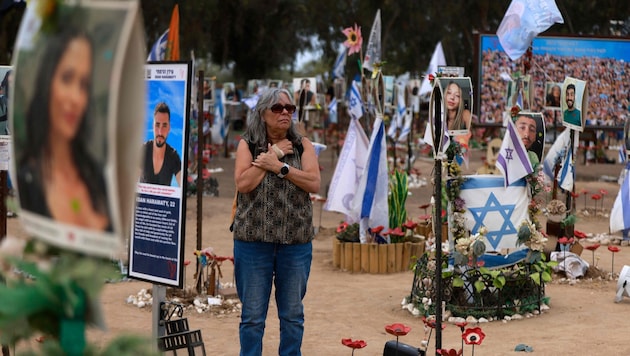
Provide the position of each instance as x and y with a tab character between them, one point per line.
57	176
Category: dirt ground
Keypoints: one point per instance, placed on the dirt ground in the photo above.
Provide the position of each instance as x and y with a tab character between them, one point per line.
583	318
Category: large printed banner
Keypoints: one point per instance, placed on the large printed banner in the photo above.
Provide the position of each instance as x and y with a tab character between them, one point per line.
156	253
500	209
77	91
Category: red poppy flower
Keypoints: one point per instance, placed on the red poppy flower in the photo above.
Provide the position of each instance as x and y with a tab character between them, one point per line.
431	77
574	195
431	323
584	191
397	329
378	229
397	232
354	344
342	227
410	224
592	247
596	197
603	191
424	217
613	249
186	263
461	325
565	240
443	213
473	336
424	206
451	352
579	234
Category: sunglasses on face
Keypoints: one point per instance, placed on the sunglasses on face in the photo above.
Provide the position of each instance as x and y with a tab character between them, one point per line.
278	108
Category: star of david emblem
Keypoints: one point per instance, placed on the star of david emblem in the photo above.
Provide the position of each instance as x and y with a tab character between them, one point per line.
508	153
493	205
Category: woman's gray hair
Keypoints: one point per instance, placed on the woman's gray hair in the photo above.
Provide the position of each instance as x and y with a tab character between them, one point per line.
256	131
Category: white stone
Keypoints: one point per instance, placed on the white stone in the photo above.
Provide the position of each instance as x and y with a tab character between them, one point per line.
471	319
507	318
517	317
483	320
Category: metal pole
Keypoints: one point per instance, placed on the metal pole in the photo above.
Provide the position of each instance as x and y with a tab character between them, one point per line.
200	182
437	225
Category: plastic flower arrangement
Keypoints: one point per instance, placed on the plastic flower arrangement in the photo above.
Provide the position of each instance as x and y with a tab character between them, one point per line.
348	232
469	249
353	41
556	207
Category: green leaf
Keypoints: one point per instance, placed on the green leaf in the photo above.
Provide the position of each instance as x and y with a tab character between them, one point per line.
479	286
535	277
546	276
458	282
499	282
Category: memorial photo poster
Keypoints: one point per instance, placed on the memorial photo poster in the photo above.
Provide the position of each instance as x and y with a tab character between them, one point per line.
573	103
156	252
65	168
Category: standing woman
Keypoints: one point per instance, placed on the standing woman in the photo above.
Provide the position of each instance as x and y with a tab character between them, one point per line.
275	171
57	177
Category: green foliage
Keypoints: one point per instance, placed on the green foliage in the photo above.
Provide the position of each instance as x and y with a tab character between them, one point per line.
398	192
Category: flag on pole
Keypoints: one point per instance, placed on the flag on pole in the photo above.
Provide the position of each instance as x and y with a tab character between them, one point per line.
332	107
437	59
513	160
348	172
172	44
158	51
355	109
340	63
620	213
523	21
370	199
562	153
373	52
218	126
401	109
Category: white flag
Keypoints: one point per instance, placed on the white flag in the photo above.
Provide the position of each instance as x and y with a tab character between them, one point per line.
406	128
513	160
524	20
437	59
567	170
620	213
348	171
355	108
373	52
370	199
500	209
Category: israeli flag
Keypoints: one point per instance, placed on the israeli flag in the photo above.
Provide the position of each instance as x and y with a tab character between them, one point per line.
513	160
356	105
370	198
556	153
340	63
158	51
500	209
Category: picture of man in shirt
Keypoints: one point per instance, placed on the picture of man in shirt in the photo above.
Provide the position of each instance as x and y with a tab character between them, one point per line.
571	114
161	161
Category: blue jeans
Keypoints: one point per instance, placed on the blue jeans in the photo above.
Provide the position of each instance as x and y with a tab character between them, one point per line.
256	266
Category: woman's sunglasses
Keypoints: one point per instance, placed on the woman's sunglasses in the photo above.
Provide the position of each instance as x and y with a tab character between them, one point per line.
277	108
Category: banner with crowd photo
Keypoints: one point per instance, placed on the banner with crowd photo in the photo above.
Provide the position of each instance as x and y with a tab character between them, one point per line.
157	243
499	208
71	162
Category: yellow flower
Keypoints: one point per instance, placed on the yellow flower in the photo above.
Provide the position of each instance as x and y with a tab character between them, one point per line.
353	41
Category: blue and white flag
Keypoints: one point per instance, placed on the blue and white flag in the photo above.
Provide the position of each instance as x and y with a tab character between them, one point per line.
355	108
622	154
620	213
158	51
524	20
562	153
251	101
332	107
513	160
500	209
406	128
339	67
218	126
370	199
348	172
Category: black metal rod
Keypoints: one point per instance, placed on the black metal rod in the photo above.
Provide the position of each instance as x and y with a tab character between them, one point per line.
437	226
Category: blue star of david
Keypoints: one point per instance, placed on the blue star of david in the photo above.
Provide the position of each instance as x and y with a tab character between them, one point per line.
493	204
508	153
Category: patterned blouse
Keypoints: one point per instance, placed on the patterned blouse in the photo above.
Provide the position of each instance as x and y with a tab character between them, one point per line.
276	211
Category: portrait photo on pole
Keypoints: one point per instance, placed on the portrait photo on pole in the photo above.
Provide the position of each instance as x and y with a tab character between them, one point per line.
458	100
157	234
531	129
573	103
68	75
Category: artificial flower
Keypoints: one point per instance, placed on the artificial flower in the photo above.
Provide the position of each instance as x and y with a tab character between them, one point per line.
354	344
342	227
353	41
613	249
410	224
397	329
451	352
473	336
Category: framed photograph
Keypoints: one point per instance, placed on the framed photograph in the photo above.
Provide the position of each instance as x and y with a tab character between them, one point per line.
572	103
458	99
157	235
553	94
531	129
71	94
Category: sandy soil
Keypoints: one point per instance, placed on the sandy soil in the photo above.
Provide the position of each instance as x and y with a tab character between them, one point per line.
582	319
